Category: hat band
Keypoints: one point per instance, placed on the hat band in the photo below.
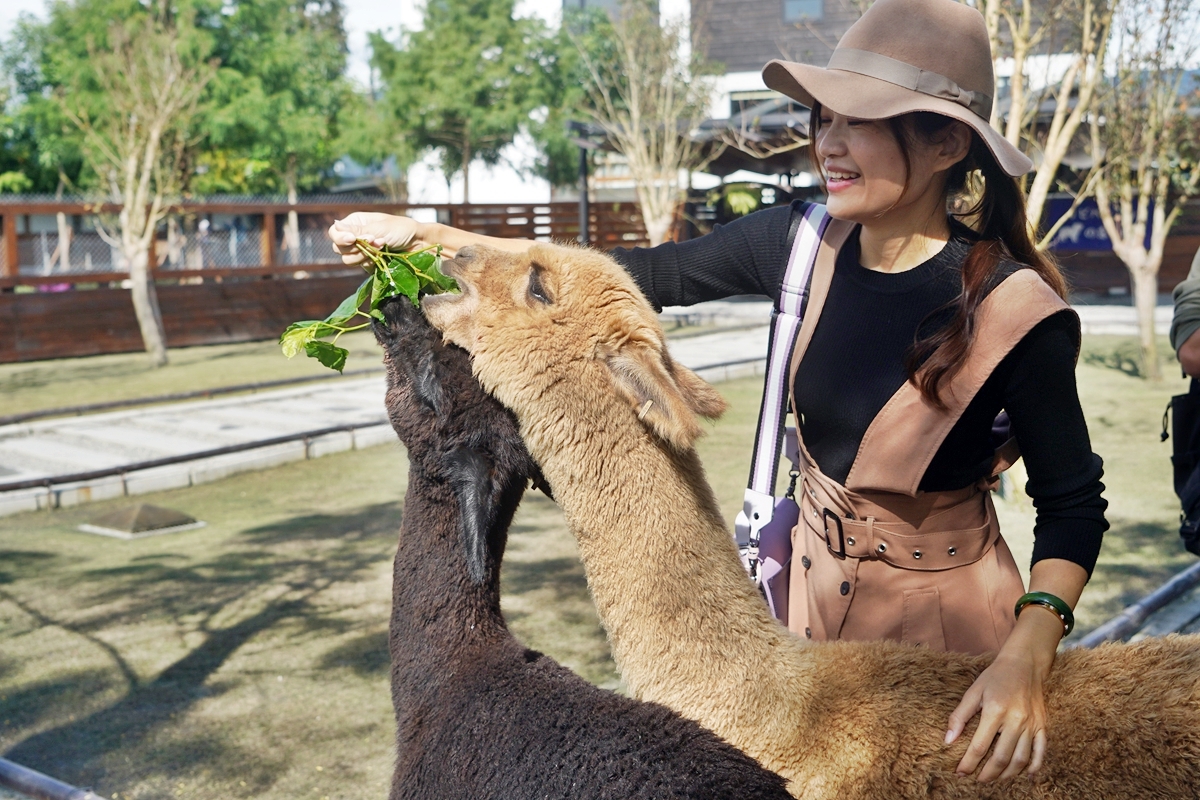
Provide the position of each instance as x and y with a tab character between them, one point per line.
874	65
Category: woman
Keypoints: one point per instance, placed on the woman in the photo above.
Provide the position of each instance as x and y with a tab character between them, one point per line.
916	336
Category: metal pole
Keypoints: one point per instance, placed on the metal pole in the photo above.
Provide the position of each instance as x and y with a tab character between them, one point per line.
1132	618
34	784
584	212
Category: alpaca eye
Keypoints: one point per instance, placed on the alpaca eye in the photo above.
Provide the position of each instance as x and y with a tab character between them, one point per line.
536	290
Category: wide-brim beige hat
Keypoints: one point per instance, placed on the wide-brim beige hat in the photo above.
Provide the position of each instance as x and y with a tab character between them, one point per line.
904	56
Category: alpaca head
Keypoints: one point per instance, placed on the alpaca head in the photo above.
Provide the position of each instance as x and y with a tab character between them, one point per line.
560	324
454	431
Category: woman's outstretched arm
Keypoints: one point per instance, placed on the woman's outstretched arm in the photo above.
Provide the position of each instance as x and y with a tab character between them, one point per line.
400	232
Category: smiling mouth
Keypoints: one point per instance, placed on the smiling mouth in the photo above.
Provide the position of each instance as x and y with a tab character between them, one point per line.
841	176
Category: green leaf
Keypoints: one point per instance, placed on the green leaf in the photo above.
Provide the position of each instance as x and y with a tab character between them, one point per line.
328	354
377	314
379	288
423	261
407	284
349	307
444	282
297	335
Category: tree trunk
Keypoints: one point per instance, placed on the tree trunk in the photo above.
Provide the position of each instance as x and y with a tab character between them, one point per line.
145	305
397	187
64	243
292	231
466	170
1145	299
656	227
64	231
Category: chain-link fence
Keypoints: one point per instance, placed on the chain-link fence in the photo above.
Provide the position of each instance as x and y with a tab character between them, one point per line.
205	248
43	254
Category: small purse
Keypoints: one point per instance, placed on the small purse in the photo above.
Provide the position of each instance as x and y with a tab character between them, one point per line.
764	527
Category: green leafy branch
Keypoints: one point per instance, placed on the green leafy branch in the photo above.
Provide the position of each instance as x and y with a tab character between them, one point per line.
392	274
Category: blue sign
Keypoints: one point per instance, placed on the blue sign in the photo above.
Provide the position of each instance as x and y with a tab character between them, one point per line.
1083	230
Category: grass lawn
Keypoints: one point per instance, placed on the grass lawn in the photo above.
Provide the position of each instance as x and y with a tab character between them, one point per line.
249	658
39	385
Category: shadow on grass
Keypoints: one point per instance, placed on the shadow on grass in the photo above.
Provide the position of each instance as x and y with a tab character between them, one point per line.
565	576
1123	356
365	655
272	574
14	562
1138	557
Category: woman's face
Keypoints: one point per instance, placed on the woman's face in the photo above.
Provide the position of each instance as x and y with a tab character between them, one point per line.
865	171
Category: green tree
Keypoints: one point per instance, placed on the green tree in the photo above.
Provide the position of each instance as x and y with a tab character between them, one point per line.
561	98
465	84
38	140
276	98
377	136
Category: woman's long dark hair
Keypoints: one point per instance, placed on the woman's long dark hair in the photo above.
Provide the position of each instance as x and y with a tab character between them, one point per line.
997	216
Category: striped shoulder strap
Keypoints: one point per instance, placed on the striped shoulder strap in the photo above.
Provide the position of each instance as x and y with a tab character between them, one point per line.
785	326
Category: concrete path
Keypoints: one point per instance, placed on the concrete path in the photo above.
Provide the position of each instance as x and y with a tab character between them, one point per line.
187	433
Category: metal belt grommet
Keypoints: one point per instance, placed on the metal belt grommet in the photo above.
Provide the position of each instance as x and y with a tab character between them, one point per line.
917	553
953	551
850	541
882	548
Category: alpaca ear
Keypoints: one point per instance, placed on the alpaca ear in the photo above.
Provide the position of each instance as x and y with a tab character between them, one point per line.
698	393
471	477
665	396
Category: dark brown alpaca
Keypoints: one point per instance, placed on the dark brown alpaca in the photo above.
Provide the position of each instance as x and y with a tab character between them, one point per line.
478	714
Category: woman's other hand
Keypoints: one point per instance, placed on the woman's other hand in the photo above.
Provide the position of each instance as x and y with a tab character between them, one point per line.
381	230
1012	714
1008	695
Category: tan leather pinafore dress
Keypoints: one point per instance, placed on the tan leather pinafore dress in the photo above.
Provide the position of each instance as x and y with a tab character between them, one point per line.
877	558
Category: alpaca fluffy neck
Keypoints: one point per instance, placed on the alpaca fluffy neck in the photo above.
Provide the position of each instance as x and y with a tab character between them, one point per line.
437	610
687	627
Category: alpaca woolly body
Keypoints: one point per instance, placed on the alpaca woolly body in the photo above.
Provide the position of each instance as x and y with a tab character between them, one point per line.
611	421
479	715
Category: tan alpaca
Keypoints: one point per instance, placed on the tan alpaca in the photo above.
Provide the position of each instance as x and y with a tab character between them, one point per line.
563	337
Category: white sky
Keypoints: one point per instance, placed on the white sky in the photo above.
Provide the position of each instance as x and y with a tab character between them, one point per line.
501	184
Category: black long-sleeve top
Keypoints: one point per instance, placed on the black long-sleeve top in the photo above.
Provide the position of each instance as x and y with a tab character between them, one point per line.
855	363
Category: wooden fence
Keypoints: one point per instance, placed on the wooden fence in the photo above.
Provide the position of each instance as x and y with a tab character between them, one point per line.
220	284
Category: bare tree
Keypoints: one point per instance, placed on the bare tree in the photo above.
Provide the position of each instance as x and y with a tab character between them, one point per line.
134	104
1143	140
749	137
1078	30
648	91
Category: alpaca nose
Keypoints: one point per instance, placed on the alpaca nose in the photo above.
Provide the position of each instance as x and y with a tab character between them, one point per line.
465	254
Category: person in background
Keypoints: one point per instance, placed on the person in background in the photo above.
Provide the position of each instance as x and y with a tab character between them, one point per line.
1186	323
1185	338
